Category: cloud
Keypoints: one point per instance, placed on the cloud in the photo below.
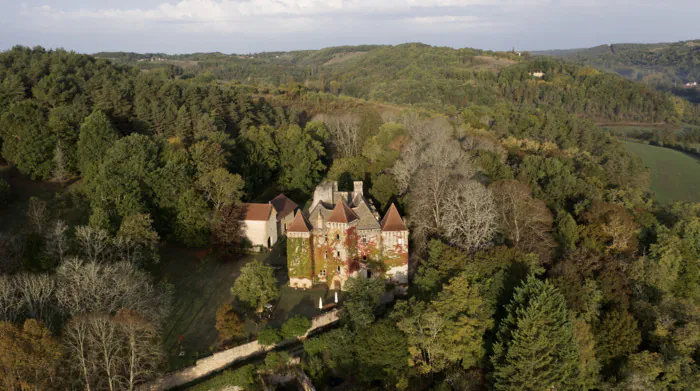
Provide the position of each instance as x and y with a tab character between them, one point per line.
275	15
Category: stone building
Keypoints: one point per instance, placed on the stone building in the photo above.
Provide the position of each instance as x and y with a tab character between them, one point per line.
259	225
285	209
342	237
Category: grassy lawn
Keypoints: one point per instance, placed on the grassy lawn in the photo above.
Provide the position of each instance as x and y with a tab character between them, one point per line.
201	283
675	176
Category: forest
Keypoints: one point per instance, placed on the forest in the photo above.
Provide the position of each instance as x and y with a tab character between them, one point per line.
440	78
539	259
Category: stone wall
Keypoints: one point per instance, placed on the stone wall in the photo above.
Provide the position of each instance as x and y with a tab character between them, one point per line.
223	359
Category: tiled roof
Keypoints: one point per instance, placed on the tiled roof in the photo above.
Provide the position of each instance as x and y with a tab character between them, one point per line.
342	214
392	221
283	205
257	212
299	224
364	212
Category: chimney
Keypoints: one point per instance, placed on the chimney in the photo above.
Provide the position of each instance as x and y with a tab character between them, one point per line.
319	221
357	187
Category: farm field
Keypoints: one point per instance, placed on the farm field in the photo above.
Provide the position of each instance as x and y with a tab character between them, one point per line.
675	176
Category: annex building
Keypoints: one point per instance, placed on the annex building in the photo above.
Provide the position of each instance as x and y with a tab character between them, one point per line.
343	236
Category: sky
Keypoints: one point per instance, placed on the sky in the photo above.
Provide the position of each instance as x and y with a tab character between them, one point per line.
250	26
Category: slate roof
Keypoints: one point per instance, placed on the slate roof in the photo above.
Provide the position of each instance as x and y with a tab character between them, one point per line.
342	214
257	212
283	205
299	224
363	211
392	221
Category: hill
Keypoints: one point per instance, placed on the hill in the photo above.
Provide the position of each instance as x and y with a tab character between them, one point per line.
662	64
437	78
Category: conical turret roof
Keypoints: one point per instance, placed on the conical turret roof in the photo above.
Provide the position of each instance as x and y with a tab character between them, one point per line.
392	221
299	224
342	214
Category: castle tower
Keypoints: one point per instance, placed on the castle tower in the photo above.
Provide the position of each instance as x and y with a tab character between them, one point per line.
342	239
395	246
300	261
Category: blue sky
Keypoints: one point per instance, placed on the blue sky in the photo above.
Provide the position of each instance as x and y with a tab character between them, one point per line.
244	26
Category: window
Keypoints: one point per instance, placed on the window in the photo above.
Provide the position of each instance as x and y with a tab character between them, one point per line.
400	240
364	257
337	236
338	254
323	273
364	240
338	268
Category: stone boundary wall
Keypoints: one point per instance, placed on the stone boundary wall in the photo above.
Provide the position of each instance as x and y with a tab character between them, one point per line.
218	361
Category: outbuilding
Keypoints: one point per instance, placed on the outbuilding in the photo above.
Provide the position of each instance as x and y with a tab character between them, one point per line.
260	225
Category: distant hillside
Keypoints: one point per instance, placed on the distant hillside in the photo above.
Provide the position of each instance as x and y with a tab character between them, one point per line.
439	78
661	64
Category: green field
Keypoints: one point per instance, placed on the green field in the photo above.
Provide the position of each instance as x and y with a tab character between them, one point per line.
675	176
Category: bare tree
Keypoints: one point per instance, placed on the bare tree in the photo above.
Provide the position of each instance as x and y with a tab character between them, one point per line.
91	287
76	343
470	215
94	242
527	222
105	339
60	163
345	133
37	295
10	300
37	215
141	345
57	239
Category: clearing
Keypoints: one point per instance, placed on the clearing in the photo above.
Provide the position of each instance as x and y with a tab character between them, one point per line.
201	282
675	176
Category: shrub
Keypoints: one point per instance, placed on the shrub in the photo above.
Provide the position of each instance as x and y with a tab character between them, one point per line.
295	327
269	336
228	323
243	377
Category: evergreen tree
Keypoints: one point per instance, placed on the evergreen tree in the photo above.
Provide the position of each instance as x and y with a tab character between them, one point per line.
96	136
535	348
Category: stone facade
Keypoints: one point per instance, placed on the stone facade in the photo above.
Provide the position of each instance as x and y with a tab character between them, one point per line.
343	237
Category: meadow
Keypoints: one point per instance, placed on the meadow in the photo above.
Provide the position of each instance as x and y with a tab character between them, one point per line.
675	176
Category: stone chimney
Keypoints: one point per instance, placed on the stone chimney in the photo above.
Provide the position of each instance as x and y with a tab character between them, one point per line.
319	221
357	187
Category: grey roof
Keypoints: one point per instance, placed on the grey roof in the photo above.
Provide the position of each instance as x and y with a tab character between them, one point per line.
363	211
367	218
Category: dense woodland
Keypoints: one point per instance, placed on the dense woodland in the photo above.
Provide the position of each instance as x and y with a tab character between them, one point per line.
439	78
539	260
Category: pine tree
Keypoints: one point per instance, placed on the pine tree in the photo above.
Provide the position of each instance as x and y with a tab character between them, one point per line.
536	349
